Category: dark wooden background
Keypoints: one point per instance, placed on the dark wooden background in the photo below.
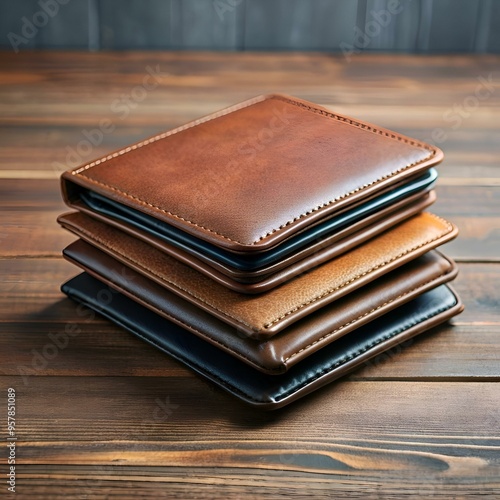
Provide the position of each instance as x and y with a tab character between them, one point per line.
329	25
108	416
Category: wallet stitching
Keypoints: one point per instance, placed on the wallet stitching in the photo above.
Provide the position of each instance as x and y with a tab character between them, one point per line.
283	365
357	124
364	349
162	278
449	229
164	348
295	309
349	121
293	390
353	321
163	135
175	319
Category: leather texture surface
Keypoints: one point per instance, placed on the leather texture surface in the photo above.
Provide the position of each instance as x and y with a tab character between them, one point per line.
299	340
260	389
249	176
286	269
266	314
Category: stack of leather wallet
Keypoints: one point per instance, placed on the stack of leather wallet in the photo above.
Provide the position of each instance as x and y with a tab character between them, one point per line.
272	246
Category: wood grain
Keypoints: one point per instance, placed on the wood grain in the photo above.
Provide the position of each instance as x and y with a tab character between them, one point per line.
405	448
103	415
414	416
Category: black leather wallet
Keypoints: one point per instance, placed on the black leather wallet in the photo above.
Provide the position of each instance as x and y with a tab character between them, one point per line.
260	389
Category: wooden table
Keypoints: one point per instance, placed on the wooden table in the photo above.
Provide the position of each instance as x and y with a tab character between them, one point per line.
103	415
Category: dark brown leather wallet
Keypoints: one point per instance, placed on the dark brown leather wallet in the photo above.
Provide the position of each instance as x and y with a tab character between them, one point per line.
272	246
278	352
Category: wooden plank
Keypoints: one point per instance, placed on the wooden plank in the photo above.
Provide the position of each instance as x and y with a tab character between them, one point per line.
150	420
119	482
377	76
477	284
213	25
133	25
421	122
421	105
30	220
453	200
453	25
30	195
391	26
458	353
461	69
471	201
99	348
471	155
494	32
53	150
27	234
299	24
232	453
107	415
479	224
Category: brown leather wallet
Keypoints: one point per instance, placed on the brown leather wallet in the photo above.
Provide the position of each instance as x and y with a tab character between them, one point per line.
259	192
278	353
272	246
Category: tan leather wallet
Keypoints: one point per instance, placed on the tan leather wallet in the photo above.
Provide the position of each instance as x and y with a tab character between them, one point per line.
272	246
